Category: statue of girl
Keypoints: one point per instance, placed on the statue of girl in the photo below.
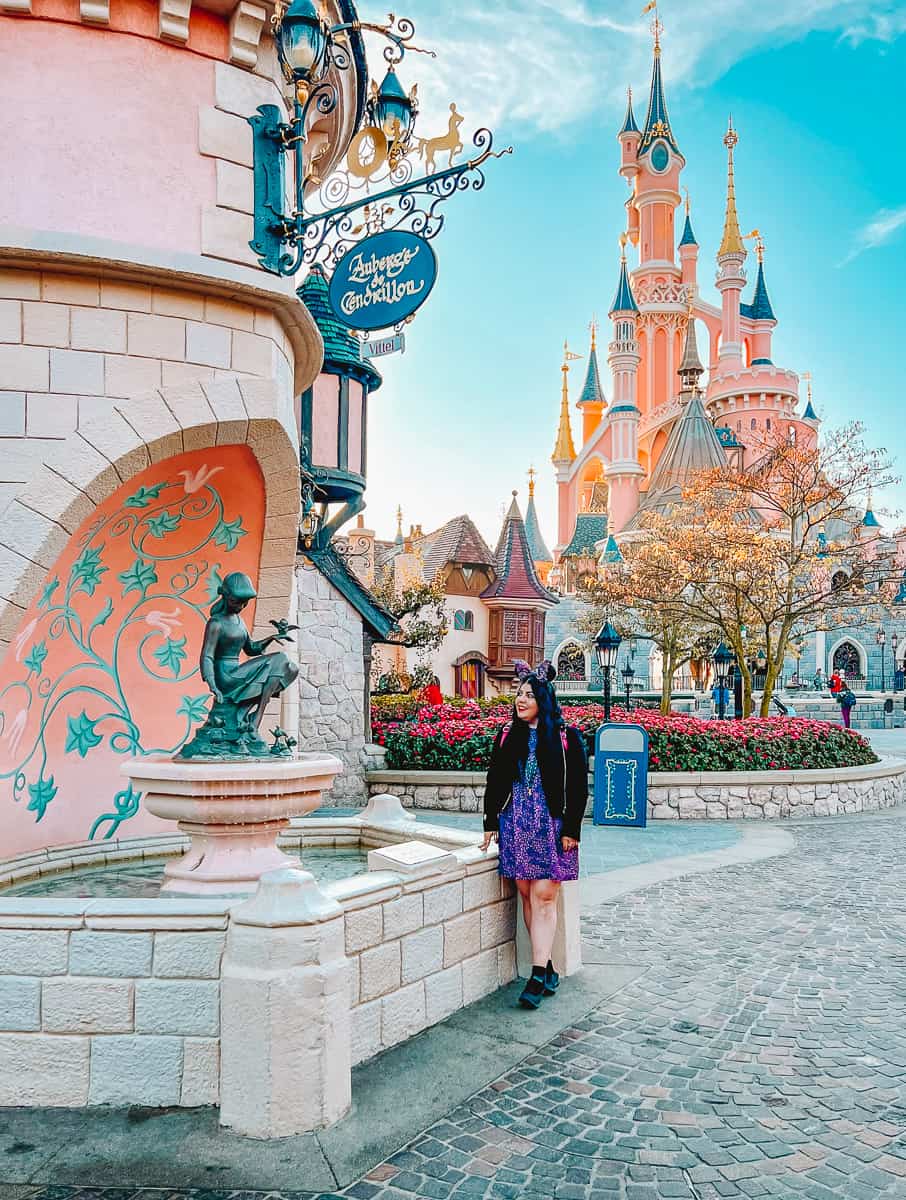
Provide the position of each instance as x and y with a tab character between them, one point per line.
245	685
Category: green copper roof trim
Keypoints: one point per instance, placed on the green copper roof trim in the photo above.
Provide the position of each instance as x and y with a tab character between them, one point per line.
762	362
624	408
342	348
378	621
590	528
657	123
592	392
688	238
629	125
809	414
623	300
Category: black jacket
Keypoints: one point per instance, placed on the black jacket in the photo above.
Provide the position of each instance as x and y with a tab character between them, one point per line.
568	806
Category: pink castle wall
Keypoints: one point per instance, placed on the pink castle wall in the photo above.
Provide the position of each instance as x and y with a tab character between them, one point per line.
121	114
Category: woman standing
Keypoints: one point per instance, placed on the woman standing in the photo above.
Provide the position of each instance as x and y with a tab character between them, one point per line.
534	803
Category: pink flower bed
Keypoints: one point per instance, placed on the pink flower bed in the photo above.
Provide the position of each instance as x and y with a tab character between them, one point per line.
459	738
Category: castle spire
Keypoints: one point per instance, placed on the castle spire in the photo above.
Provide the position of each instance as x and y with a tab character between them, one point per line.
690	369
564	449
809	414
657	122
761	308
623	300
398	540
732	240
688	238
592	392
629	125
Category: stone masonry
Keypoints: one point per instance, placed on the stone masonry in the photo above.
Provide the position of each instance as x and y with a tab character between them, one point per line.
331	680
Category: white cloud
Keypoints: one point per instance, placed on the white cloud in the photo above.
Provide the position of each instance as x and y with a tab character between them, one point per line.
542	66
880	229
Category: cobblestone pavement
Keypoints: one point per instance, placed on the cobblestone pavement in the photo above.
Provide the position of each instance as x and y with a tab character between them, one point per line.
762	1052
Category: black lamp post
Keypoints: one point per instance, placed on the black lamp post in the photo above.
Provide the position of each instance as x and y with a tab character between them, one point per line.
607	644
894	642
881	639
723	660
628	674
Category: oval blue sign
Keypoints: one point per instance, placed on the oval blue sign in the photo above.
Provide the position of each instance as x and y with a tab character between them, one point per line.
382	280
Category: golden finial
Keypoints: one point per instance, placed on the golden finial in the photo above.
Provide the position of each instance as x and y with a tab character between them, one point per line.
624	238
399	521
688	202
593	326
732	242
657	27
807	376
531	472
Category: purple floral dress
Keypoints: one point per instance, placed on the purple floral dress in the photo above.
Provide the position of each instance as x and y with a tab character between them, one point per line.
529	837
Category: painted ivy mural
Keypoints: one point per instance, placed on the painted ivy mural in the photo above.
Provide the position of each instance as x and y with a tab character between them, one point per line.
105	664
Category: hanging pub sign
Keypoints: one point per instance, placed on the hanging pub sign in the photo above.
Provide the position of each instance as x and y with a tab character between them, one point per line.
382	280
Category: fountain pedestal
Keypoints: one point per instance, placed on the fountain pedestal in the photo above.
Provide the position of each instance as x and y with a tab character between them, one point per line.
233	811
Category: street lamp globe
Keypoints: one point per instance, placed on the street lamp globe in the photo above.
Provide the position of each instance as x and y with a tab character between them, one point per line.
607	644
894	642
881	637
391	105
302	38
723	660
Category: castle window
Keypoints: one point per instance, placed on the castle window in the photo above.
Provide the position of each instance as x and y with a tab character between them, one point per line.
792	435
571	663
463	620
754	424
517	628
768	423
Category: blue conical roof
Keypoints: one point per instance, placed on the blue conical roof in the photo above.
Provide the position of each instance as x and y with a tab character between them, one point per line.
612	551
688	238
760	309
592	392
623	300
537	544
657	123
809	414
870	521
629	125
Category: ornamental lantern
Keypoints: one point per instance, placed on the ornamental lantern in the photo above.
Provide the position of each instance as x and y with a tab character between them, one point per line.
333	412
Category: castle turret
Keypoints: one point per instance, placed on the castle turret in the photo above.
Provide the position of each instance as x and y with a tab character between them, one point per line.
657	182
761	313
624	471
541	556
592	400
690	369
731	277
688	252
630	136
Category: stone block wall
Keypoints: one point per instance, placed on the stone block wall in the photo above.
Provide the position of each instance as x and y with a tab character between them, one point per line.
331	683
110	1002
73	346
421	949
730	795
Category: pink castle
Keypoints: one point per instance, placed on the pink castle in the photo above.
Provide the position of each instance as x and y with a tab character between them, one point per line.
657	427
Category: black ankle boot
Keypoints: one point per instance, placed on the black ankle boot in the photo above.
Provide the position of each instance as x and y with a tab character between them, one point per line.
551	979
533	992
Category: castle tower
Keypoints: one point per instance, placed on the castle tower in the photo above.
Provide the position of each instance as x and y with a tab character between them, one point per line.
592	400
690	369
564	455
630	136
624	472
657	282
761	313
541	556
688	252
731	277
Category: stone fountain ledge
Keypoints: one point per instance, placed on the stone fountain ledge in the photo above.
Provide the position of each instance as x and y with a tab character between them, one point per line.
674	795
121	1002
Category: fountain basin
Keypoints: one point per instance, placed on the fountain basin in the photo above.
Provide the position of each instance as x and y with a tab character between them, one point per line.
232	812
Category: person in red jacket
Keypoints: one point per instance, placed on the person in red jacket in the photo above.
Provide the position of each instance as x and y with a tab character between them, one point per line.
835	683
432	694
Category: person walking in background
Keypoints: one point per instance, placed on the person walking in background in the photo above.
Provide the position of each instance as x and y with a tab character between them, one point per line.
535	799
847	701
818	681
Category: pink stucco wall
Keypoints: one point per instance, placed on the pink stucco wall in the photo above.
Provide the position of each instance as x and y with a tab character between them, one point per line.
120	113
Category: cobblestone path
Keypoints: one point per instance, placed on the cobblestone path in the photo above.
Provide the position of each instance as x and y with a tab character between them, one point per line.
761	1053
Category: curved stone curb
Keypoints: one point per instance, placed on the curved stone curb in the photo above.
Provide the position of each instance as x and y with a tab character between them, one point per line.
754	845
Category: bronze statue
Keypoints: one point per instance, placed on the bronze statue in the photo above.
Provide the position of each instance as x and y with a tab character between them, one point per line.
241	689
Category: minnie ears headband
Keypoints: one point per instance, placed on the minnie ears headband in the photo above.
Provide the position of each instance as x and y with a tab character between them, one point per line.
545	670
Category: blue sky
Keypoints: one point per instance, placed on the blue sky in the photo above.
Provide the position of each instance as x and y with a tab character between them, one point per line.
814	91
